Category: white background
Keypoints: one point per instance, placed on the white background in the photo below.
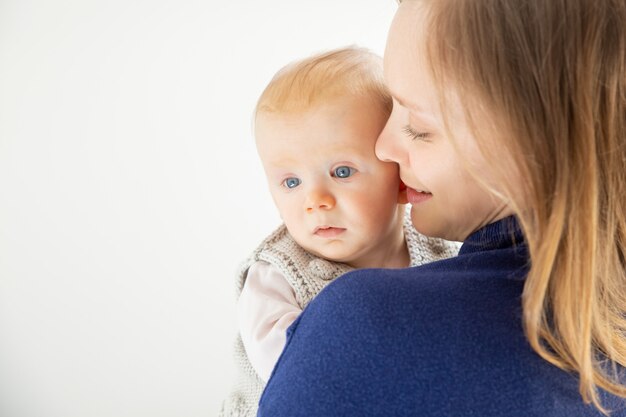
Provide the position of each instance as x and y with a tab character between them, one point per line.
130	191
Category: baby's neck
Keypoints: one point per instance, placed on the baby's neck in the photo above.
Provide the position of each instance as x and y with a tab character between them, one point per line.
402	259
394	253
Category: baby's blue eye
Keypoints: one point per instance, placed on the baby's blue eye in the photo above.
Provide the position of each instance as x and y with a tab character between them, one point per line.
344	172
291	182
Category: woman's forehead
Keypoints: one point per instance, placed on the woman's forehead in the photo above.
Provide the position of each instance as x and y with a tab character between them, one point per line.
405	72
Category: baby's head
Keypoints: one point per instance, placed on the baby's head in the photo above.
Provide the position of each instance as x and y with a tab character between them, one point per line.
316	126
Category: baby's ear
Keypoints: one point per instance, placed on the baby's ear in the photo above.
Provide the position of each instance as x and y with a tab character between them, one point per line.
402	198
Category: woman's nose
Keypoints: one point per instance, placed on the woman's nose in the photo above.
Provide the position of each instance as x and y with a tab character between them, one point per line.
388	147
319	199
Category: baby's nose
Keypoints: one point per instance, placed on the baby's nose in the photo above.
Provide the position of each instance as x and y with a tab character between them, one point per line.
320	200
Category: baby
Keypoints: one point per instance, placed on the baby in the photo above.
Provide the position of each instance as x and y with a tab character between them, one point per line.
316	126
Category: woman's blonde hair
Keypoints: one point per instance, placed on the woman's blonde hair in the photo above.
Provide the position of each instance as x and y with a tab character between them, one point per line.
544	82
304	84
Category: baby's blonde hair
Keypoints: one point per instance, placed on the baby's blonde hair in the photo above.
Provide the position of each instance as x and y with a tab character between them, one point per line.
304	84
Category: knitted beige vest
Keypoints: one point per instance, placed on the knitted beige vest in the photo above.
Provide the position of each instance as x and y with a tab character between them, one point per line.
308	275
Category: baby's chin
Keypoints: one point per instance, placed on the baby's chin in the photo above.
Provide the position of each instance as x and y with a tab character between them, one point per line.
331	255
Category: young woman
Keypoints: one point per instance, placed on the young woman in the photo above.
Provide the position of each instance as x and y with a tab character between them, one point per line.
509	127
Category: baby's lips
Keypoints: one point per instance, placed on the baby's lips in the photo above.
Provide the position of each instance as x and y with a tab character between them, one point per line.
402	186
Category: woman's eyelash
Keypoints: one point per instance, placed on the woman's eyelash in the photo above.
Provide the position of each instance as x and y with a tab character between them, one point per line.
413	134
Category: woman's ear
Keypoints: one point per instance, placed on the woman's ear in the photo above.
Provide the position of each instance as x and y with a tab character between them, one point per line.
402	198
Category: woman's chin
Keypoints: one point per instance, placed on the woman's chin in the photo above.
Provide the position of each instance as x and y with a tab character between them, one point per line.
433	225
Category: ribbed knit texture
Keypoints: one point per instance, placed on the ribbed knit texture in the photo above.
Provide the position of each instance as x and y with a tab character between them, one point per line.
308	275
443	339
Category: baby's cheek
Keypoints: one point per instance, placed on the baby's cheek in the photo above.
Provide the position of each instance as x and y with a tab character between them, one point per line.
380	204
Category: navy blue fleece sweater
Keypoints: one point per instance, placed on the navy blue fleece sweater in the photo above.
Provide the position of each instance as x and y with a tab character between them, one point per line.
443	339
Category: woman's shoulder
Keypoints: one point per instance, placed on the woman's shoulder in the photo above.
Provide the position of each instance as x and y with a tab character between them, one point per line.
438	315
430	340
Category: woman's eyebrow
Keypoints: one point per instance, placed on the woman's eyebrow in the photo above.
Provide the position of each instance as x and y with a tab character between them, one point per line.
408	104
399	100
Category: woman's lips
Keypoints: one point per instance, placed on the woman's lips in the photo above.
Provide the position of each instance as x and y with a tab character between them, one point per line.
416	197
328	232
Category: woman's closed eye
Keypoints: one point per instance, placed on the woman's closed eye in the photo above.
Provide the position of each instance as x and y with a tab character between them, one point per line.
343	172
414	134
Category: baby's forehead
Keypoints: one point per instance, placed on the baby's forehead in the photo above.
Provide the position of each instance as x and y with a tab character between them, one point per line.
347	125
